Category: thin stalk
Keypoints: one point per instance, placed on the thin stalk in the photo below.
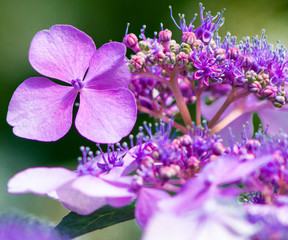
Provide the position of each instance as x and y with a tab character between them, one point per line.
222	109
160	116
174	86
198	107
237	112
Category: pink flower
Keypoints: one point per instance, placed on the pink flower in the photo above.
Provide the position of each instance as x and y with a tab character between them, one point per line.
42	110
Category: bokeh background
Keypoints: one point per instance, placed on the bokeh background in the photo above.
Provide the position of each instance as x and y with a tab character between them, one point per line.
20	20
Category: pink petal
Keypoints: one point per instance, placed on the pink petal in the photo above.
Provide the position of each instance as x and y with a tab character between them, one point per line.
237	129
108	69
76	201
106	116
275	118
41	110
63	52
41	181
96	187
169	227
147	204
120	202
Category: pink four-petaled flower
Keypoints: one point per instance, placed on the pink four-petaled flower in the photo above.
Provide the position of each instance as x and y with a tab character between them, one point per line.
42	110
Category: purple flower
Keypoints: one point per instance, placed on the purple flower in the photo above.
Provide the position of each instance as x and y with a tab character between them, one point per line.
82	191
42	110
14	227
220	219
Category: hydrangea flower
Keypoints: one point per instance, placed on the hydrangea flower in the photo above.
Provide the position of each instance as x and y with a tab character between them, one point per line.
85	190
42	110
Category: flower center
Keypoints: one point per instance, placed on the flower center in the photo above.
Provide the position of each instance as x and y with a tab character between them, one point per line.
77	84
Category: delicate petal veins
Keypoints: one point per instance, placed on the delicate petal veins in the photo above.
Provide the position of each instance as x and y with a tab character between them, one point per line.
40	180
107	69
41	110
63	52
106	116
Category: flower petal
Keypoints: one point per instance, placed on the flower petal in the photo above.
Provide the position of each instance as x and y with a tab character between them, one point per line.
108	69
275	118
63	52
147	204
106	116
76	201
41	181
96	187
41	110
237	129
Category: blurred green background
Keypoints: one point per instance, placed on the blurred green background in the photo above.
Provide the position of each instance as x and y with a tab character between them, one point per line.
20	20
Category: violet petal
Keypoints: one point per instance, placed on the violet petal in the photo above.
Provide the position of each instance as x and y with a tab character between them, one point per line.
106	116
107	69
41	110
62	52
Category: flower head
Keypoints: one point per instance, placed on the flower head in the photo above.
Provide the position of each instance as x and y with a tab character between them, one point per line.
94	184
42	110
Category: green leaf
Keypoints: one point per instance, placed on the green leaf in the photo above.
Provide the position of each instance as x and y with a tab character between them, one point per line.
74	225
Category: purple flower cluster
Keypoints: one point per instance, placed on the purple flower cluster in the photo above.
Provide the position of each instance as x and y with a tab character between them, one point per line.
194	184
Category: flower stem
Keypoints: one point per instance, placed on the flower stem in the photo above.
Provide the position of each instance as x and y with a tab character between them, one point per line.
174	86
198	108
222	109
237	112
161	116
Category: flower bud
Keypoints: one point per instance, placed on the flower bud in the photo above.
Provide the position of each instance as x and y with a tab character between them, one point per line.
252	144
131	41
254	87
160	57
193	162
174	47
234	53
188	37
168	172
218	148
185	140
147	161
185	48
268	92
279	101
165	35
150	60
144	46
182	58
137	61
170	58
